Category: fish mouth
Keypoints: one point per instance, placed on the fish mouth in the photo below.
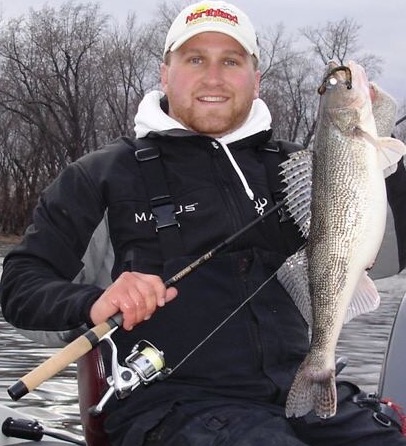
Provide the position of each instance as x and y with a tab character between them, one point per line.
330	79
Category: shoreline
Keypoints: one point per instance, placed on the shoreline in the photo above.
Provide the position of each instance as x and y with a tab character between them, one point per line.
7	242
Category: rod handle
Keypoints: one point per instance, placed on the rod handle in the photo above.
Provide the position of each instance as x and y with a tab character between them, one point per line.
60	360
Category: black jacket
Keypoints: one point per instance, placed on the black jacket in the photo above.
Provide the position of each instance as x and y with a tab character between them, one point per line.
210	203
256	353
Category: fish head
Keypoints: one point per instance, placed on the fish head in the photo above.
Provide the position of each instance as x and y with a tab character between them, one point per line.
345	95
345	85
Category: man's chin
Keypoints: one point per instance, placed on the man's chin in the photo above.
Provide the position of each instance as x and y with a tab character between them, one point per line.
215	127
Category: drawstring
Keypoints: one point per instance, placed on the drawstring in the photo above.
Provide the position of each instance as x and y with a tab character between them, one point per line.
241	176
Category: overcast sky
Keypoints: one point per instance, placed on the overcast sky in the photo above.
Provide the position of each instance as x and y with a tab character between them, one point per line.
383	23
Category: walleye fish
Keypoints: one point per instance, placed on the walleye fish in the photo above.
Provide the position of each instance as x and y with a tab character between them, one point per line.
348	213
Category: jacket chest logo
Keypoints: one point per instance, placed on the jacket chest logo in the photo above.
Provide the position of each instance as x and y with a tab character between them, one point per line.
260	205
143	217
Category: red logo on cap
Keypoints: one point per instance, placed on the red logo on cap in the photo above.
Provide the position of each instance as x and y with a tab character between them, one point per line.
212	13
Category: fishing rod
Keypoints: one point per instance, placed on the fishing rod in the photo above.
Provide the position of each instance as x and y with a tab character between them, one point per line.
89	340
399	121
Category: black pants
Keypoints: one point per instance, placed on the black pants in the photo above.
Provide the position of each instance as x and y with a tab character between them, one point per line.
248	424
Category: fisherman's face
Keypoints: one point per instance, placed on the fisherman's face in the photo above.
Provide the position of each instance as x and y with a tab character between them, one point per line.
210	82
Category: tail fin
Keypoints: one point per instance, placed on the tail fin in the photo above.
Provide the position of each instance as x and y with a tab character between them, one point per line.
312	390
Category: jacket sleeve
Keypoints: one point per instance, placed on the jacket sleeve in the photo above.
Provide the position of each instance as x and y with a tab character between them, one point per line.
396	190
39	293
391	258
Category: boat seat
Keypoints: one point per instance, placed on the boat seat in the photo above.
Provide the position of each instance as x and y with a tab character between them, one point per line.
393	372
92	385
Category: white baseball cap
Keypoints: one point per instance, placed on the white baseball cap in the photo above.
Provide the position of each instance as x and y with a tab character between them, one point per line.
217	16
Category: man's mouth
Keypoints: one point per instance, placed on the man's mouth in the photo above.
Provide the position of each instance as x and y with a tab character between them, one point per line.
212	99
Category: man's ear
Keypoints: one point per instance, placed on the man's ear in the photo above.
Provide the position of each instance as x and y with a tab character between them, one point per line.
257	82
164	76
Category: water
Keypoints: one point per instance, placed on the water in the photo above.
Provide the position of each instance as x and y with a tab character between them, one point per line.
364	339
55	402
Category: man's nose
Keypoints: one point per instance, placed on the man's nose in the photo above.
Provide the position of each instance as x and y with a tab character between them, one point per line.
214	74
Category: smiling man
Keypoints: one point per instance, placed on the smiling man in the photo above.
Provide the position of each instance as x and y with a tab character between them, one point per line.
203	166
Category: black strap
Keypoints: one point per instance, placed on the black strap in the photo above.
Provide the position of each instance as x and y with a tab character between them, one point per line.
162	206
274	153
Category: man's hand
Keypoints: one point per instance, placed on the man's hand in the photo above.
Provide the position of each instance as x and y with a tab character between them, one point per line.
135	295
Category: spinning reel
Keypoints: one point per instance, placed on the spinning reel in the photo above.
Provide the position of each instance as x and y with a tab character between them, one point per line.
144	365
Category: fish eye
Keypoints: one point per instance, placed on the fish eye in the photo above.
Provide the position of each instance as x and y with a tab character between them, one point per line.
332	81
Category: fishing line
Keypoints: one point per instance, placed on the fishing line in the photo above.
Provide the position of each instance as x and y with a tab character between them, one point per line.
224	321
221	324
222	245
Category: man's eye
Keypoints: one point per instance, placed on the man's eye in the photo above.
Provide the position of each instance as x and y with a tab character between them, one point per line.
196	60
231	62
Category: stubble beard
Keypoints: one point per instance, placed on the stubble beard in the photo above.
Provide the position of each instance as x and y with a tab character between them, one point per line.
213	123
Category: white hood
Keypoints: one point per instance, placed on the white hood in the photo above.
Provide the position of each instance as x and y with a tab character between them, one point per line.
151	118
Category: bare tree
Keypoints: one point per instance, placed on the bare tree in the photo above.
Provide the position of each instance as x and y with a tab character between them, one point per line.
48	75
165	14
339	41
400	129
293	96
129	69
287	86
49	86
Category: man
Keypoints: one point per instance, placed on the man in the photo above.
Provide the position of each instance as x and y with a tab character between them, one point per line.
203	168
